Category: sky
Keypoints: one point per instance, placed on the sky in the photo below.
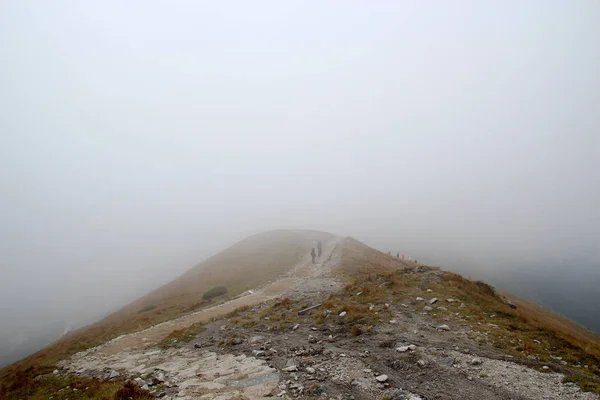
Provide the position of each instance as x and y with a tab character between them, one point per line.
139	138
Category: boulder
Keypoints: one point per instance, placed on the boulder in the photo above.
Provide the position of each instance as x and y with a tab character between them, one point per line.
419	299
433	301
476	361
443	328
291	368
402	349
381	378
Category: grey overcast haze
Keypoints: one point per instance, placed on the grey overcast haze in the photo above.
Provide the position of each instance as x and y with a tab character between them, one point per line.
139	138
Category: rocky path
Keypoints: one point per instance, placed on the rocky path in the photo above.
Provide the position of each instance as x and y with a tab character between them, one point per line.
304	273
409	356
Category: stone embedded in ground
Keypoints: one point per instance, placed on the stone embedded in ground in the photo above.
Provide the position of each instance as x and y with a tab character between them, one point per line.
442	308
443	328
381	378
434	300
451	300
419	299
310	370
393	321
429	290
258	353
343	313
412	347
312	339
476	361
402	349
422	363
140	382
296	327
427	308
291	368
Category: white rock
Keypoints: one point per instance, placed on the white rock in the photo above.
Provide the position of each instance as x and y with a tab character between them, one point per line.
310	370
450	300
443	327
140	382
422	363
419	299
343	313
291	368
442	308
412	347
402	349
476	361
145	387
404	305
427	308
545	367
55	372
296	327
381	378
393	321
434	300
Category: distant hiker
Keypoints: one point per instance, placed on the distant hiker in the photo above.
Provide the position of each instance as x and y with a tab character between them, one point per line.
398	255
313	255
320	248
402	257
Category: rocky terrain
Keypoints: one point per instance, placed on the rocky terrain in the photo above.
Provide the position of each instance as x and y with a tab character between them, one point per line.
417	333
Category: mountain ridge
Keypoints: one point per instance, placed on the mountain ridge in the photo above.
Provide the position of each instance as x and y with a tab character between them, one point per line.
373	295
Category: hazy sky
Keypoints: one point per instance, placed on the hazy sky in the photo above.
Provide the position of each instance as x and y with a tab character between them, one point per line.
139	137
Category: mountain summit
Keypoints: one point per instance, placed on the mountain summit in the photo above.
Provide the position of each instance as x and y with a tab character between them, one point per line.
265	318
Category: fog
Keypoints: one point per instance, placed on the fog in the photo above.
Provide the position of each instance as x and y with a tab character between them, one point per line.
138	138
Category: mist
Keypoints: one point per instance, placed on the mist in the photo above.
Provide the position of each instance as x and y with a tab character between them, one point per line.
139	138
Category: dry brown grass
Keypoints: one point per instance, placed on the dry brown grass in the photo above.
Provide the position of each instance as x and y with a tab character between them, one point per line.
267	255
359	260
40	383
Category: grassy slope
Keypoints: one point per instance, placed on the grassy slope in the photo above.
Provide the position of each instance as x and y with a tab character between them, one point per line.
359	260
530	330
267	255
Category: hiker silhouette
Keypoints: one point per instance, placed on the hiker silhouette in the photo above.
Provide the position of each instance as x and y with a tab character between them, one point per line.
320	248
313	255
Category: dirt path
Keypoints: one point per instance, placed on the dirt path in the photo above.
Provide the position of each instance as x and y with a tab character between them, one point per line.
296	277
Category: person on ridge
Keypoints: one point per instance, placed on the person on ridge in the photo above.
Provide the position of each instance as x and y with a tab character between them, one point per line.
313	255
319	248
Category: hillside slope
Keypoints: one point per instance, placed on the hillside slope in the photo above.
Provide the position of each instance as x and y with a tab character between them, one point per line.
247	264
375	327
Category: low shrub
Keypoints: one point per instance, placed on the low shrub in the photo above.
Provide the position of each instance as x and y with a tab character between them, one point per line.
214	292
